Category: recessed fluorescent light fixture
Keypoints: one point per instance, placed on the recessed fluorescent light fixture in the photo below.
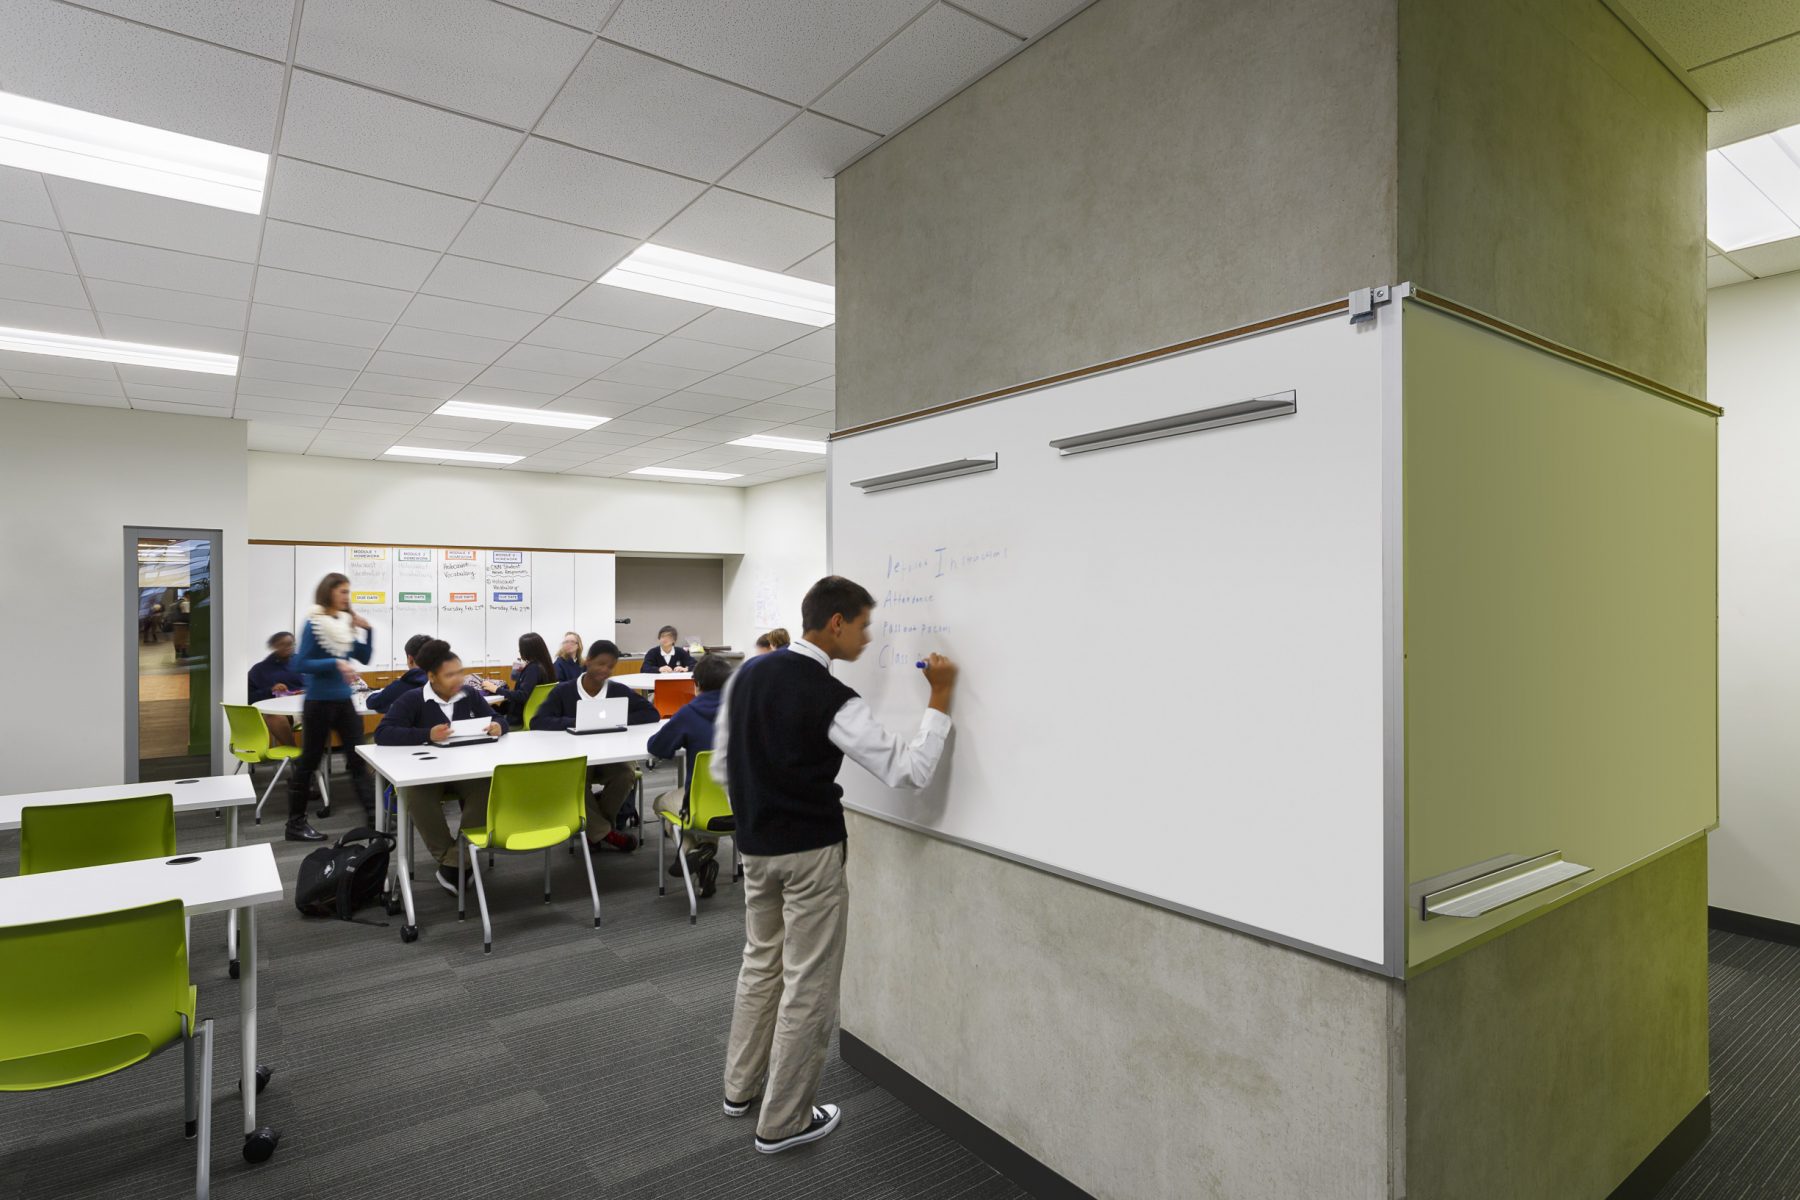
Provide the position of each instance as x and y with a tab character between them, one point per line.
451	455
62	141
665	272
137	354
1740	206
763	441
519	416
678	473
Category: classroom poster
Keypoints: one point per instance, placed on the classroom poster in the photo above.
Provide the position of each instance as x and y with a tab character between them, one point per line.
461	606
371	580
415	596
508	602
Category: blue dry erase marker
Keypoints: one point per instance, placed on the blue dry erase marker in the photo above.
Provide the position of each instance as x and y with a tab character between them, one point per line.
922	664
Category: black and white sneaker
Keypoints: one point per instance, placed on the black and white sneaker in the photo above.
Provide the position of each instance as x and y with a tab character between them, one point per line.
825	1118
740	1108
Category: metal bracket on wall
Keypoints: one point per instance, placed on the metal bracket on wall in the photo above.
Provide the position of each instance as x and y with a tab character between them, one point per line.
1364	300
1486	886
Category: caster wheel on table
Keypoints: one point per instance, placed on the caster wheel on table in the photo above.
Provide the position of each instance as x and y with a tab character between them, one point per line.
264	1073
260	1146
393	904
409	933
233	968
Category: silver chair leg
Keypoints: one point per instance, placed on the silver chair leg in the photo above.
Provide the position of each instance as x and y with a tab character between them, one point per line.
662	839
593	888
487	929
462	910
190	1065
681	857
203	1179
280	766
546	875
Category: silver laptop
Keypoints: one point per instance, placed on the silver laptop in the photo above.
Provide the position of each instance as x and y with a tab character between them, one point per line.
601	714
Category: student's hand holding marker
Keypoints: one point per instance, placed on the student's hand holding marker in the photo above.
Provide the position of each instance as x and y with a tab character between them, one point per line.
940	673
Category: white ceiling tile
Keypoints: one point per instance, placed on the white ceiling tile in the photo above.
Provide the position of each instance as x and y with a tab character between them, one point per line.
479	393
371	420
24	380
324	447
52	396
723	327
50	364
279	389
536	383
214	402
933	58
435	343
41	287
743	229
585	14
305	350
465	316
23	198
556	361
612	391
815	398
287	372
35	247
648	374
101	64
796	166
738	389
48	318
706	403
1026	18
368	431
194	381
469	55
276	439
635	107
685	352
191	308
309	194
1772	258
513	287
257	26
345	256
782	368
773	410
561	182
181	410
154	220
310	411
403	385
585	337
820	345
638	423
606	305
820	267
128	262
598	441
392	401
417	370
342	125
788	48
171	333
321	327
1722	272
821	421
292	289
539	244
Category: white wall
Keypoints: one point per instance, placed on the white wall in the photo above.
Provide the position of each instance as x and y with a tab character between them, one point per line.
71	479
307	499
784	554
1753	372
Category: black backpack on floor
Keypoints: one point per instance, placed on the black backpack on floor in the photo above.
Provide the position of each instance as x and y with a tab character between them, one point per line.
337	880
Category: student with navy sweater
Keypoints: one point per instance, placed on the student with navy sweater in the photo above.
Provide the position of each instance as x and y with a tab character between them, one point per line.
568	657
691	729
411	681
784	728
666	656
537	671
332	641
614	779
421	717
275	676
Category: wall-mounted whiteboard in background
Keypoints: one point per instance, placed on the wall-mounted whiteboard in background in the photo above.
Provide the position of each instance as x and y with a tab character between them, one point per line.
1223	753
479	600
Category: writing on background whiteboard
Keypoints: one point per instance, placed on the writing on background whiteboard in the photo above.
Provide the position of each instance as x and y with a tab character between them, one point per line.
906	628
941	561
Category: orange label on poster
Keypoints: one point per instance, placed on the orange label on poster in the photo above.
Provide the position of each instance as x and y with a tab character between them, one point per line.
464	597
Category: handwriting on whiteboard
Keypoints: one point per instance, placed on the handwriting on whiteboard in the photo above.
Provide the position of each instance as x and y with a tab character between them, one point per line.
907	626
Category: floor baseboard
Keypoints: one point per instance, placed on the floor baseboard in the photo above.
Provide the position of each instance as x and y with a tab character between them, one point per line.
1750	925
1670	1155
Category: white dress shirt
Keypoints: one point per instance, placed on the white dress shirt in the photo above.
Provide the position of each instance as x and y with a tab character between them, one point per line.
855	731
449	706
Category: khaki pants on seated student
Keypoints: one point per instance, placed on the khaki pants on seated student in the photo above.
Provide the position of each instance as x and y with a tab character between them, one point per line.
425	807
615	781
795	906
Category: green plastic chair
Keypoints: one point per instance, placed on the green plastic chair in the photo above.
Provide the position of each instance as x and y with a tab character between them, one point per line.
535	701
87	997
705	816
61	837
250	746
531	807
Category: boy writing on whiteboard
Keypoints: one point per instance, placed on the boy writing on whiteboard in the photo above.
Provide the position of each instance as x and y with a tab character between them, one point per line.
784	727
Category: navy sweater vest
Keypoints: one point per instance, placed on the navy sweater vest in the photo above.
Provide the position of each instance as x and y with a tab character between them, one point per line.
782	768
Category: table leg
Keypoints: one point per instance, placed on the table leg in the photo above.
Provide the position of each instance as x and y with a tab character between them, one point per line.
259	1142
409	932
231	919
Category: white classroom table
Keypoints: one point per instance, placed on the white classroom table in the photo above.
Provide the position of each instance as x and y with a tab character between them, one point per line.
647	682
418	766
293	703
229	792
236	879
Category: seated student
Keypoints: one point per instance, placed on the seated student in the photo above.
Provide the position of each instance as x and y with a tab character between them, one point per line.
614	779
538	670
775	639
421	716
568	657
275	676
411	681
666	656
691	729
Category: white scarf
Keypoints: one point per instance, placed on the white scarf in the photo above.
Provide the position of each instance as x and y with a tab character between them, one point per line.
334	631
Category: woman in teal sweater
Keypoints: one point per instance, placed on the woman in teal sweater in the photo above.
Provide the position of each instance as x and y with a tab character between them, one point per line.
333	639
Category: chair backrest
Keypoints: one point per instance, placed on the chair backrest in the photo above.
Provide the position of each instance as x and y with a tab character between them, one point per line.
249	732
707	801
91	995
535	701
671	694
60	837
534	805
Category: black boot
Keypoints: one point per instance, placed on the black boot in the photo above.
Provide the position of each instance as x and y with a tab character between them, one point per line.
301	831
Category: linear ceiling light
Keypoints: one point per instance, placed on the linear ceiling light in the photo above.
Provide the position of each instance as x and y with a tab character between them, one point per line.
1745	187
518	416
82	145
474	456
763	441
678	473
137	354
665	272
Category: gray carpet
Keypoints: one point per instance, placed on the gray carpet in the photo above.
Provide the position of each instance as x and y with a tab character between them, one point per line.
569	1062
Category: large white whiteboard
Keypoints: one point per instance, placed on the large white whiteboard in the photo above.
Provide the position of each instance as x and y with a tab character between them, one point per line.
1225	757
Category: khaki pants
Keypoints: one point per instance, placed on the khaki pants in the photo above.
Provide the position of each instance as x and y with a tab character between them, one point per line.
425	807
615	781
795	907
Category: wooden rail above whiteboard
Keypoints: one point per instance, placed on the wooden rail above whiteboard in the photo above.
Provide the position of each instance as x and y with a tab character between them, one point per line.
429	546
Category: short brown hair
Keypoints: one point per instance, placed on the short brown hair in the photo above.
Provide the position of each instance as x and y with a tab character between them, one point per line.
833	596
775	639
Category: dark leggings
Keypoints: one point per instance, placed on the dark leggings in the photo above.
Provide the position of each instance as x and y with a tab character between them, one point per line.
319	720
